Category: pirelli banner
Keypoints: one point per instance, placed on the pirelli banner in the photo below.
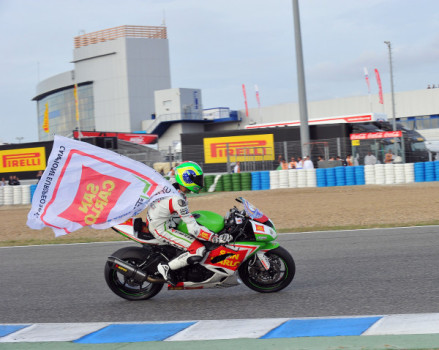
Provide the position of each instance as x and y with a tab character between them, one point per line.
22	160
240	148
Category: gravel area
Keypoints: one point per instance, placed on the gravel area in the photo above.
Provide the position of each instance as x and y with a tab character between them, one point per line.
293	208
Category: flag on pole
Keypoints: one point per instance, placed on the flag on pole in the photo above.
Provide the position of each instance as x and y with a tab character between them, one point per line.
366	75
75	93
245	100
380	88
257	96
46	118
84	185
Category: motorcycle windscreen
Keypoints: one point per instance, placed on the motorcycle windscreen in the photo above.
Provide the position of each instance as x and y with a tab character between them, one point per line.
253	212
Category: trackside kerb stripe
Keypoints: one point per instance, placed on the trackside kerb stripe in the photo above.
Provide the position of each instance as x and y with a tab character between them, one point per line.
128	333
8	329
322	328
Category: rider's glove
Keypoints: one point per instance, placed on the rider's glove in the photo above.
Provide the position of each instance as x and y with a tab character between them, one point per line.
220	239
213	237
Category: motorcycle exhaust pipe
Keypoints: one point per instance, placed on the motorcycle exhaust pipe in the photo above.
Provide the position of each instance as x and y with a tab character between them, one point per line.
126	269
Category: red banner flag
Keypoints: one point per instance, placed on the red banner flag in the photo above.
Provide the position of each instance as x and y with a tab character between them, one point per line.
245	100
380	88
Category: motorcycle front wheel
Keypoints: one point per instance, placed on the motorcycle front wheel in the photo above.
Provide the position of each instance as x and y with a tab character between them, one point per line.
281	272
128	288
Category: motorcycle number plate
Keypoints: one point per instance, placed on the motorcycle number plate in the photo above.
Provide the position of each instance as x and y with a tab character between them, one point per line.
238	220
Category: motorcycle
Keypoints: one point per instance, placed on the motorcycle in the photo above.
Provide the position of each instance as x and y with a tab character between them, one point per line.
253	257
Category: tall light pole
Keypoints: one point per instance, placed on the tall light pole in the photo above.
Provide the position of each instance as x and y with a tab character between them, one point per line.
19	138
303	110
389	45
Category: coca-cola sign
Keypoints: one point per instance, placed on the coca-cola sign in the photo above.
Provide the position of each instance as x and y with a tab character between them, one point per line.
376	135
141	139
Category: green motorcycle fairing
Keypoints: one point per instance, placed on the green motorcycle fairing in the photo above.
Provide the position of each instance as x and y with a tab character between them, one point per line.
213	221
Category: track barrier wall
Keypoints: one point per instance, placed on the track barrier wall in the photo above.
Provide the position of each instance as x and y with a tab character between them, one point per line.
379	174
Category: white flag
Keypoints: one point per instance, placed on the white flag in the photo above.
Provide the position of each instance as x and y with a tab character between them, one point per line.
84	185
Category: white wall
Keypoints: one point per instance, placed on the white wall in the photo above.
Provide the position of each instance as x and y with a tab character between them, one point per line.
172	134
407	103
174	103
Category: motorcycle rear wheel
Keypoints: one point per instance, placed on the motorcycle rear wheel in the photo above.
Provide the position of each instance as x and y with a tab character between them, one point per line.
124	287
281	272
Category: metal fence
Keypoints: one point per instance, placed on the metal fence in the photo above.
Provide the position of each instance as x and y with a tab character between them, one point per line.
325	148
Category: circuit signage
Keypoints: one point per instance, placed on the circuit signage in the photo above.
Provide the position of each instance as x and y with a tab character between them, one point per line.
240	148
376	135
22	159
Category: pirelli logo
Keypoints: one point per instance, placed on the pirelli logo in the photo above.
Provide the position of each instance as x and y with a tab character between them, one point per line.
240	148
23	159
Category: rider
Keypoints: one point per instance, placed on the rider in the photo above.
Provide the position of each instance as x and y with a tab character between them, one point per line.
189	177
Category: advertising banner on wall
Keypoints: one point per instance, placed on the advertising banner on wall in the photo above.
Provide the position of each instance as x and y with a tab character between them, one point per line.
376	135
140	139
241	148
22	159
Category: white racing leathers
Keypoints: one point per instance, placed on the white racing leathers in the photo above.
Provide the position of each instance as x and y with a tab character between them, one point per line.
161	225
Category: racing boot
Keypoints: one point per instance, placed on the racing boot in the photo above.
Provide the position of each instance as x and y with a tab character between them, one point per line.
167	273
194	255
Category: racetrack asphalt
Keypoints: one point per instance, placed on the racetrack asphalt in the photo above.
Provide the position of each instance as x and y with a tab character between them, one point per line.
361	272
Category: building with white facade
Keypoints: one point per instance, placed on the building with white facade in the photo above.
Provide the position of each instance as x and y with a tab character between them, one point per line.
417	109
117	71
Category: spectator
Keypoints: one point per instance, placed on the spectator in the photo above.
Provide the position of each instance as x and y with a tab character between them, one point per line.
370	159
389	157
13	180
293	163
349	160
341	161
299	163
171	175
397	160
39	174
3	182
307	164
356	159
237	168
284	165
279	161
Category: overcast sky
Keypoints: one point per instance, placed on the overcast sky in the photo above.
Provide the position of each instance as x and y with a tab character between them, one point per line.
219	45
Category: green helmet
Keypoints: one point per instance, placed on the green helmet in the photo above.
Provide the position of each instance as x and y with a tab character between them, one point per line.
189	175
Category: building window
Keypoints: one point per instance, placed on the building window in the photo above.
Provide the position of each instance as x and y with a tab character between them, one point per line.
62	112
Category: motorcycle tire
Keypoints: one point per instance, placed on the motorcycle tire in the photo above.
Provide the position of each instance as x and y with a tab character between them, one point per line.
281	272
122	286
